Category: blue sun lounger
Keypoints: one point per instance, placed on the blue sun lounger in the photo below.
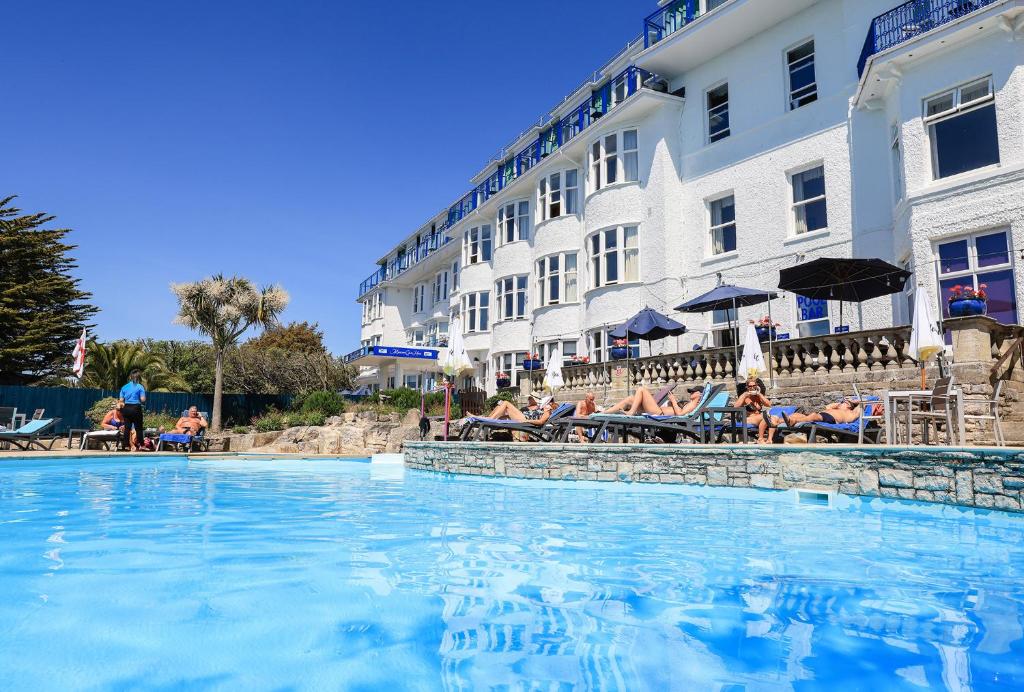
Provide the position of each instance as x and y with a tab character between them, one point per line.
481	428
29	435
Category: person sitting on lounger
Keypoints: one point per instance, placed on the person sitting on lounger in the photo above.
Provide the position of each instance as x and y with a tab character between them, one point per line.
536	415
845	411
643	402
755	402
190	424
585	408
113	419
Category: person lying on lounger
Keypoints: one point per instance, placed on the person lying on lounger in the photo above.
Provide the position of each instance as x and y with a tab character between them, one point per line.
845	411
190	424
537	415
643	402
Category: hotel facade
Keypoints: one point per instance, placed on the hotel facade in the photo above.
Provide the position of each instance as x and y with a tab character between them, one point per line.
732	139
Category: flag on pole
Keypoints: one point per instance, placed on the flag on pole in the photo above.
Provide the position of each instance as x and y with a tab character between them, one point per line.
78	356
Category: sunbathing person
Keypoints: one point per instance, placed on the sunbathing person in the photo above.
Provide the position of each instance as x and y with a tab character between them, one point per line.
845	411
585	408
190	424
113	420
643	402
536	415
755	404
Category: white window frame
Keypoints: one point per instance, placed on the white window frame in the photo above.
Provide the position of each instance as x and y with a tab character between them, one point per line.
794	205
621	160
472	304
720	108
718	327
440	286
896	161
518	223
545	349
973	268
601	354
509	289
598	269
419	295
793	100
417	336
797	321
714	228
510	362
548	196
455	276
475	241
561	276
956	109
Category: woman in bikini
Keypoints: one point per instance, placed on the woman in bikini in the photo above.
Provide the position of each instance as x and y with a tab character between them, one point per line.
643	402
755	404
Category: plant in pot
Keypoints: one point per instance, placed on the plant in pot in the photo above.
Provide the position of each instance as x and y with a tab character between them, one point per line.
966	301
502	380
532	362
580	360
765	328
620	349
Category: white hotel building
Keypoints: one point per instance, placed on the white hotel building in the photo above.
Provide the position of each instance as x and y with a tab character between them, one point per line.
732	139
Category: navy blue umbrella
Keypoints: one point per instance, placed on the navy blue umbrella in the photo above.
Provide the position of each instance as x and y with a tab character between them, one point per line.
728	297
649	325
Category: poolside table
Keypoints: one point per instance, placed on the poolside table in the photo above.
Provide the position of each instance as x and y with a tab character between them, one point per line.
893	398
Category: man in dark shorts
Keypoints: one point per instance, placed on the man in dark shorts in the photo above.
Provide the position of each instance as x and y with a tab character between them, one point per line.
845	411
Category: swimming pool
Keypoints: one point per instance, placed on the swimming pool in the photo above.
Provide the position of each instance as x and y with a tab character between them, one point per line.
129	573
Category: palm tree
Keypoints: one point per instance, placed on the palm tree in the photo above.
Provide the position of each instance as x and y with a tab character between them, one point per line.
223	309
109	365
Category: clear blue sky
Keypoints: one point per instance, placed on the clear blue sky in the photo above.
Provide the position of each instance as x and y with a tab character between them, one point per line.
291	141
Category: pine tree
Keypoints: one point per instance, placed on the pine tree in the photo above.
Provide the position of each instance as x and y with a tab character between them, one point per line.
42	310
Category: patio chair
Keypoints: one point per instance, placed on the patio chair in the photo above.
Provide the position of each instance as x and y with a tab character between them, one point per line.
104	437
864	429
31	434
935	410
565	426
992	415
7	414
481	428
698	425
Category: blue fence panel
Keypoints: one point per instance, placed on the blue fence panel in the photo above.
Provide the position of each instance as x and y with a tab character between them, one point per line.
70	404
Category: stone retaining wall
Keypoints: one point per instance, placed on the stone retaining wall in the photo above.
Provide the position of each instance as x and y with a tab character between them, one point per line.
976	477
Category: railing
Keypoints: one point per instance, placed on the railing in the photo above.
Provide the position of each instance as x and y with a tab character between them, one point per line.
401	264
669	19
358	353
911	19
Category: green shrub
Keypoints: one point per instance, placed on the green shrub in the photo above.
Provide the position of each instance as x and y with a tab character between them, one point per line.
240	429
271	420
402	399
327	403
100	409
503	395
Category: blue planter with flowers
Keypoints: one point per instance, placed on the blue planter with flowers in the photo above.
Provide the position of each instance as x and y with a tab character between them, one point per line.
532	364
764	333
619	352
967	307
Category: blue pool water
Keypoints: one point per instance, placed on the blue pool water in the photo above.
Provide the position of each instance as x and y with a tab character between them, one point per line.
138	573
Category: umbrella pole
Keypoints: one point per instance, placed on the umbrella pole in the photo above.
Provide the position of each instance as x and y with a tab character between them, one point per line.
771	370
924	377
447	407
735	340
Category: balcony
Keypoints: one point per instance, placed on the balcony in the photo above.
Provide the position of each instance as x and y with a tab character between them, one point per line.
911	19
404	262
672	17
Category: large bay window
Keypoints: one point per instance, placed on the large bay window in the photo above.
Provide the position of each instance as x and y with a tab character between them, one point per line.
476	245
557	279
513	222
810	211
510	296
962	128
558	195
613	159
980	259
510	364
614	256
476	312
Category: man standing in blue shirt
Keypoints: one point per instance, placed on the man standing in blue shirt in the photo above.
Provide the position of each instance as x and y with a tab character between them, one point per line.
133	396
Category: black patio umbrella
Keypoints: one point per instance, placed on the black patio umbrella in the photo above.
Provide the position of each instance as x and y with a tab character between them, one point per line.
728	297
649	325
844	279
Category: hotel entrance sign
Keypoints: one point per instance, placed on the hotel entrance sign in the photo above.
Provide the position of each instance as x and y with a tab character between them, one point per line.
402	352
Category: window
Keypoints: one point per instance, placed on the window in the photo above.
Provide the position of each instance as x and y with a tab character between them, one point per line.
510	364
962	129
513	222
718	113
723	225
567	349
366	311
558	193
724	328
437	334
614	256
613	159
412	382
557	279
476	245
811	317
373	307
982	258
476	312
600	342
455	276
810	213
896	155
800	67
419	294
417	337
441	286
510	297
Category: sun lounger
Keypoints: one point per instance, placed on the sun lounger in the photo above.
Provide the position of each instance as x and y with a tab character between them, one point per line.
31	434
184	441
481	428
595	426
105	437
864	429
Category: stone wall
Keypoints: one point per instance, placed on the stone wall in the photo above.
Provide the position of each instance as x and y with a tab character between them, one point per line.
985	478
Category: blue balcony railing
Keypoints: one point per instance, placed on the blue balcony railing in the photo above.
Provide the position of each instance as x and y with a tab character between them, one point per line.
551	138
672	17
403	262
912	19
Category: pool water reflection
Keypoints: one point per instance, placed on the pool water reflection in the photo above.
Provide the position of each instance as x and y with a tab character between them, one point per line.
290	574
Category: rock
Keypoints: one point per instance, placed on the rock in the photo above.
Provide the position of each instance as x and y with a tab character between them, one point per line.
987	483
867	482
895	478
